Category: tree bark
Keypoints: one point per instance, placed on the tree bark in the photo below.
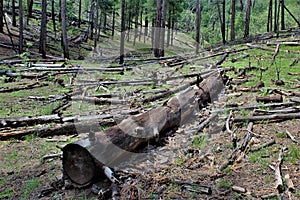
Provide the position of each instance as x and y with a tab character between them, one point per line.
270	17
13	6
29	8
282	15
1	17
64	29
232	32
247	21
275	16
157	28
53	17
20	27
43	31
83	159
268	99
198	24
163	29
79	14
122	32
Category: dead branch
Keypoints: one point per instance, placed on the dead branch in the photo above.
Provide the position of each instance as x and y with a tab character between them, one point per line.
268	117
289	183
267	144
277	168
270	105
266	112
292	137
27	87
275	54
96	100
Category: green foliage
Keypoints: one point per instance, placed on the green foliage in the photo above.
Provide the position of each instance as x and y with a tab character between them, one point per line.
6	194
293	155
281	135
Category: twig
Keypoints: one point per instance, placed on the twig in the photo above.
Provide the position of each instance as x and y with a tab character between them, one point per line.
291	136
269	143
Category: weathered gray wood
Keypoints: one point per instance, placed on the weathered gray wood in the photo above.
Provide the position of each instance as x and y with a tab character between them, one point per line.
82	158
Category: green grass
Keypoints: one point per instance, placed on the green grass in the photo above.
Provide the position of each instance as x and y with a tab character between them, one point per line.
30	186
224	184
261	157
293	154
200	142
6	194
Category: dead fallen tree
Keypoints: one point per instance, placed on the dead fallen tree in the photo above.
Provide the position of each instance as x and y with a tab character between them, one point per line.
82	160
26	87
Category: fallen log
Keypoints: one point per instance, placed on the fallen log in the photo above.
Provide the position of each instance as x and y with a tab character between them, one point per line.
270	98
27	87
268	117
28	121
82	160
277	168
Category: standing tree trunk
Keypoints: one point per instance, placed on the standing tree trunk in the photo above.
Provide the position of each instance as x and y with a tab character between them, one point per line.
79	14
29	7
157	29
173	25
43	32
169	26
141	24
64	29
282	15
136	22
242	5
122	32
92	19
146	26
269	27
1	17
222	19
13	6
232	32
53	18
198	23
20	27
113	22
163	28
275	16
247	21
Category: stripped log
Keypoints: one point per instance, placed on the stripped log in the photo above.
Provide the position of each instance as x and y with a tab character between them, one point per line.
275	54
82	160
28	121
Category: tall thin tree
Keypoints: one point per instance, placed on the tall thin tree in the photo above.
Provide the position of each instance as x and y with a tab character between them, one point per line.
163	28
282	15
53	17
20	27
269	27
1	17
43	32
247	20
198	24
232	32
64	29
157	29
13	8
123	17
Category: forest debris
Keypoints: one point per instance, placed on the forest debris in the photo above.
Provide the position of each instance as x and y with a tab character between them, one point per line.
27	87
233	60
277	168
28	121
133	132
289	183
96	100
275	54
50	156
276	116
235	154
270	98
264	145
292	137
269	196
286	110
238	189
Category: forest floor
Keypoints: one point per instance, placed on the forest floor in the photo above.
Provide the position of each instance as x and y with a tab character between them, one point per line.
190	163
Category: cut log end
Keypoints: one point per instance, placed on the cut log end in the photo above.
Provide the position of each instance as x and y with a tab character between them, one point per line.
78	164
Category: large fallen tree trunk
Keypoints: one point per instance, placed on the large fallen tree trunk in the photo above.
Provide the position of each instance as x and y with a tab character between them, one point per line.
82	160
